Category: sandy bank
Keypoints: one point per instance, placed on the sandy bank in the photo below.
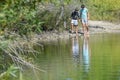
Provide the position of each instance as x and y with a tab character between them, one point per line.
102	26
94	27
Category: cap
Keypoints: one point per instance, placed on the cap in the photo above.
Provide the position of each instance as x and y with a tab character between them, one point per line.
76	9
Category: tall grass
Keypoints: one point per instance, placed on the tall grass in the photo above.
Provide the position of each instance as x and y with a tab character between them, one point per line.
108	10
21	54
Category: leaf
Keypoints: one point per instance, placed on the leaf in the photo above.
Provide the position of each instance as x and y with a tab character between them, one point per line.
13	74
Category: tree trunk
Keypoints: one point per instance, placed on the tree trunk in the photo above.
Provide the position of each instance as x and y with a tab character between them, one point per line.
61	13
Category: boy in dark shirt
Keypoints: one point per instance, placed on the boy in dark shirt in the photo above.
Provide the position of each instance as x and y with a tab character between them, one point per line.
74	21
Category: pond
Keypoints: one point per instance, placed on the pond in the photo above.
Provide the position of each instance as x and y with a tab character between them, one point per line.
79	58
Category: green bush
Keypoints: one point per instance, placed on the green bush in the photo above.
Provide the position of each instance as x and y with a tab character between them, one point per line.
19	16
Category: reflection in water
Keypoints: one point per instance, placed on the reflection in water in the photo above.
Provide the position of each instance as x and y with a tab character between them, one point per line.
86	54
62	61
75	49
81	55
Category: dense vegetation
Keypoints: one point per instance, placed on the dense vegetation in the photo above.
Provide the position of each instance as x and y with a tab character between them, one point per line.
108	10
24	17
19	16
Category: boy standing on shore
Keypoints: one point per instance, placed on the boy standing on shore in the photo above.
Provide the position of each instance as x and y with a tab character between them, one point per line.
74	21
84	16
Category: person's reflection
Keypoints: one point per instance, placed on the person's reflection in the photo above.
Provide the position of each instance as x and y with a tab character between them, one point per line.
86	53
75	49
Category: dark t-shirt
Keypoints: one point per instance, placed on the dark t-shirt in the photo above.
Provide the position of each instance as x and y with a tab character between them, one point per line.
75	15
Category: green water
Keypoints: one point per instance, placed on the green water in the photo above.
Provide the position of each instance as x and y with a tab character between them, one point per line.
96	57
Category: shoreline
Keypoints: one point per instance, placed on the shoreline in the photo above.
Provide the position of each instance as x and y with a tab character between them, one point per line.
94	27
102	26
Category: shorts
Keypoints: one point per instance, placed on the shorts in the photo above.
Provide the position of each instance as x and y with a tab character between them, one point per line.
84	21
74	22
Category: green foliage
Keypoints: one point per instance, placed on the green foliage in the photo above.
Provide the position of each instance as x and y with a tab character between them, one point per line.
23	17
20	16
11	73
104	9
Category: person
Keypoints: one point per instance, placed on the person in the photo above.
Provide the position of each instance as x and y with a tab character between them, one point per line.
84	17
74	20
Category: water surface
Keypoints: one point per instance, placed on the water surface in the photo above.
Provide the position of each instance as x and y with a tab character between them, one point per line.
80	58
